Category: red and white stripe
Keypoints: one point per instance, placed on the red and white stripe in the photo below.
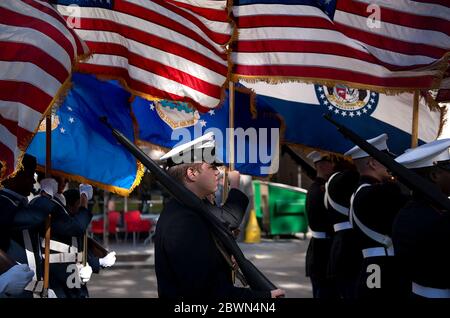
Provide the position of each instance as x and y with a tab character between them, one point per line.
170	49
36	57
300	42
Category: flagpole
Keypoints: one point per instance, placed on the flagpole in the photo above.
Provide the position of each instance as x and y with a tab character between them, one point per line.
230	140
415	121
48	172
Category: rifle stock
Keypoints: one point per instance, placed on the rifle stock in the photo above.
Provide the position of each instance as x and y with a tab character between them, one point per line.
310	171
409	178
254	277
97	249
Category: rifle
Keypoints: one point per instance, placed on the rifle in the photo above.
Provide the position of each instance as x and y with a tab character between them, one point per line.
255	279
310	171
5	262
94	246
408	177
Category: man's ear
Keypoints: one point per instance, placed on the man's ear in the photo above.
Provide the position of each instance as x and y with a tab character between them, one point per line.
191	174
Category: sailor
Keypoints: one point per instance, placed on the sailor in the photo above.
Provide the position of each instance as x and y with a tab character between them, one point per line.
188	263
13	197
373	207
321	228
421	231
345	255
65	247
77	201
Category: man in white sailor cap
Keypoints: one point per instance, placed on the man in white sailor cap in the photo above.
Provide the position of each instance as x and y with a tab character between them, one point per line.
188	260
373	207
318	252
421	232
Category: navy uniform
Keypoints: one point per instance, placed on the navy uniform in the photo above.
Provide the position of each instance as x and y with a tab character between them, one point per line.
345	255
321	228
374	206
188	263
421	232
27	244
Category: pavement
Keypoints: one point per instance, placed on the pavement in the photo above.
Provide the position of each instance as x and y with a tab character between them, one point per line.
133	275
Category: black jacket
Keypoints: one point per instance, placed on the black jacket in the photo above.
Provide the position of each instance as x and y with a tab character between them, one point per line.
421	237
318	253
187	261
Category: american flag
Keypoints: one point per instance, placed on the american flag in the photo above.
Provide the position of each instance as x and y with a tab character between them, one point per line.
168	49
373	44
37	53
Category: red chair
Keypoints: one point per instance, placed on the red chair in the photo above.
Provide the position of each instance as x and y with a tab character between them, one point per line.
134	224
97	226
113	220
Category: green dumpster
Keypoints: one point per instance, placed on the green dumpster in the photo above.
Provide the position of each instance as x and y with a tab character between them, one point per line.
279	208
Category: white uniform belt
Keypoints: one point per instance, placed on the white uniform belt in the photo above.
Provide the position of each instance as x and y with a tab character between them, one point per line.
430	292
342	226
319	235
377	251
60	247
65	257
35	286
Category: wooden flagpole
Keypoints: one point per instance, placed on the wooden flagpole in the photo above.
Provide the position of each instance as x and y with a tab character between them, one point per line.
230	140
48	172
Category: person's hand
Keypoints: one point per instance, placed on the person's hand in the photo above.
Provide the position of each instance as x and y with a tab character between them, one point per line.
108	260
277	293
16	279
85	273
87	190
49	186
234	179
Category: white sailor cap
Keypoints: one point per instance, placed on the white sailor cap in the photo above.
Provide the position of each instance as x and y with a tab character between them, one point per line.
199	150
426	155
316	156
378	142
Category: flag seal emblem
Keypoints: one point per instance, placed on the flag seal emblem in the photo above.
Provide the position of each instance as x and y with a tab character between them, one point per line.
346	101
176	114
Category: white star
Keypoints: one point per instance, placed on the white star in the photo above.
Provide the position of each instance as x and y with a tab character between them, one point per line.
358	113
372	100
369	106
322	96
373	94
344	114
364	110
330	107
320	89
152	107
325	102
203	123
211	112
62	130
336	111
69	108
71	120
351	114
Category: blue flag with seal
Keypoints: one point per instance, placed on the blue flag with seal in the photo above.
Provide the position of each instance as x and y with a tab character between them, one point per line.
366	112
256	130
83	149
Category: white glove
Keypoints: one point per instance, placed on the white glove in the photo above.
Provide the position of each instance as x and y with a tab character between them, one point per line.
49	186
13	281
85	273
87	190
51	294
108	260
